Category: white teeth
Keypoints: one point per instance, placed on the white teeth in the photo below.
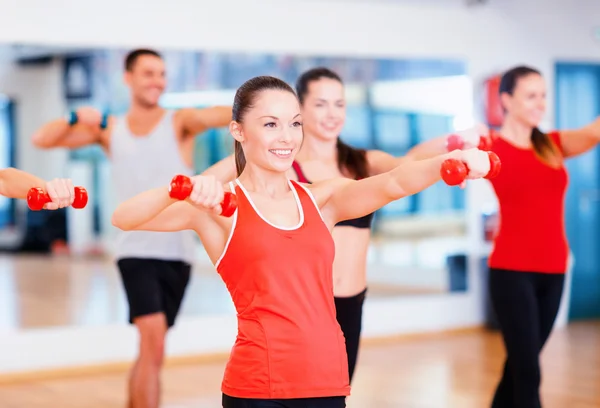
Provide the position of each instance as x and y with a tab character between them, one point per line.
281	152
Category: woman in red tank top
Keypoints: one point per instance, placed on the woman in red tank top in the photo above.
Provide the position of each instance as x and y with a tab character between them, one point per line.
529	258
275	254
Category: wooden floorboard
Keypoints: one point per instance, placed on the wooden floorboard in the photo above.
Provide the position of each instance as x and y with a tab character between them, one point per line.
443	371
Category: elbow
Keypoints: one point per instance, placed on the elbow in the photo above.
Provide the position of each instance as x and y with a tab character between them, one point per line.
121	222
39	141
395	190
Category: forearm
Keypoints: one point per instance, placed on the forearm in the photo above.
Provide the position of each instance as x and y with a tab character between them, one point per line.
413	177
51	133
142	208
16	183
428	149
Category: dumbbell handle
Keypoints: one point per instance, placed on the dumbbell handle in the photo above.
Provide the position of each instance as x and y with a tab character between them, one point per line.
181	188
37	198
454	171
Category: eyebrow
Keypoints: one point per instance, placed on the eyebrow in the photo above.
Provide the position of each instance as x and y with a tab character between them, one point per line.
276	118
325	100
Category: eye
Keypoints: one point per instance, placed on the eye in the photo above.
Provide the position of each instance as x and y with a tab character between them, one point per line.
270	124
296	124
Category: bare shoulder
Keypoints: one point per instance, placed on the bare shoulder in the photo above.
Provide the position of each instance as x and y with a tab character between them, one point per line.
323	190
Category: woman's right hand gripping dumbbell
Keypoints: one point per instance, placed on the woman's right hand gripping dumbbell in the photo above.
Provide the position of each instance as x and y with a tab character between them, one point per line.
204	192
469	164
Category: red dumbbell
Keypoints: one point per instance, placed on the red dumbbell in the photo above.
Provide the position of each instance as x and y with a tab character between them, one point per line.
454	171
181	188
456	142
37	198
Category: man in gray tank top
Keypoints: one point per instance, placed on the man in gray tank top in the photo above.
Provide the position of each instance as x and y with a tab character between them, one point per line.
147	147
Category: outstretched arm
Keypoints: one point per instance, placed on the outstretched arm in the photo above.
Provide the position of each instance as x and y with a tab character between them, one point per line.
343	199
155	210
16	183
223	170
196	121
381	162
88	129
578	141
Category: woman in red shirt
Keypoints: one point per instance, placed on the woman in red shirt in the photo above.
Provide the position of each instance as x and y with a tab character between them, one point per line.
529	258
275	254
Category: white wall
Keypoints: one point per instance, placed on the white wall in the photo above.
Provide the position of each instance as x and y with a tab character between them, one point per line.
37	91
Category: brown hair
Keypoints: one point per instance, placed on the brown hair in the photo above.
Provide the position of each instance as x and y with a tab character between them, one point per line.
542	144
350	159
244	100
133	56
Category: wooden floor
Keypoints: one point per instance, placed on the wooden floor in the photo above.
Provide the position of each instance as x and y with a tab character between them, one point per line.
445	371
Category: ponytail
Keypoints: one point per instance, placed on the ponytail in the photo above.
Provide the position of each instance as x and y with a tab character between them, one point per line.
544	147
240	159
352	160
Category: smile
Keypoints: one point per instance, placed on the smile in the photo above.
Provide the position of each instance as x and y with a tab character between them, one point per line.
282	153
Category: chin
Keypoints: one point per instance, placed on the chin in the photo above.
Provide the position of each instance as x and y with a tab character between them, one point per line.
329	135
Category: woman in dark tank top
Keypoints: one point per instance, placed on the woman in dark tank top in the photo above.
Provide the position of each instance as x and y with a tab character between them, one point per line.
323	156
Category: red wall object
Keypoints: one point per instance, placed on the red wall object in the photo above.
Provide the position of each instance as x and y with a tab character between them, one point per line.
493	108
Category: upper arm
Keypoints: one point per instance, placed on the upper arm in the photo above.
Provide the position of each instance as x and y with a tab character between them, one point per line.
195	121
224	170
382	162
578	141
343	199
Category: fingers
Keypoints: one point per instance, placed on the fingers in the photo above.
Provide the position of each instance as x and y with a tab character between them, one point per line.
61	193
478	163
71	190
207	192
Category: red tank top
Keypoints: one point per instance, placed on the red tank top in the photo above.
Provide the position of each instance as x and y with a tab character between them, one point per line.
531	196
289	343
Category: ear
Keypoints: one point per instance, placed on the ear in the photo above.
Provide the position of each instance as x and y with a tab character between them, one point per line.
236	131
505	100
127	78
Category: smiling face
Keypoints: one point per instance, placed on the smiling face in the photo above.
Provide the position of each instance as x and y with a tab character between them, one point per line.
146	79
270	129
527	104
324	108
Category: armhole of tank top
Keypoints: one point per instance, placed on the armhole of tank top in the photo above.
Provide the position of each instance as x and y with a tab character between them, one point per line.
312	198
234	223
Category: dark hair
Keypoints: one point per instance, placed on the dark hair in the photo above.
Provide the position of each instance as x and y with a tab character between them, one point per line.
543	146
133	56
349	159
244	100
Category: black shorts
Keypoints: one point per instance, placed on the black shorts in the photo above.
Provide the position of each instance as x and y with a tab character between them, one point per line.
324	402
154	286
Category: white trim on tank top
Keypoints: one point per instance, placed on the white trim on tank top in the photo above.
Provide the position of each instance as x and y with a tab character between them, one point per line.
235	214
312	197
298	203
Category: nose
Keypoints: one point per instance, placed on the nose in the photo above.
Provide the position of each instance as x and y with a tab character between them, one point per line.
286	135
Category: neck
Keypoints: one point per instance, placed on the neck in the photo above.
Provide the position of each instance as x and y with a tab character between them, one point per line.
139	109
260	180
516	132
315	148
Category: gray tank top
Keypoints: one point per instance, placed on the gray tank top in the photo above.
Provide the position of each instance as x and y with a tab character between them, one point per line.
141	163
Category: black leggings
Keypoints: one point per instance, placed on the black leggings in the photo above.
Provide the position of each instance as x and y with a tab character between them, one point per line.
349	316
324	402
526	305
